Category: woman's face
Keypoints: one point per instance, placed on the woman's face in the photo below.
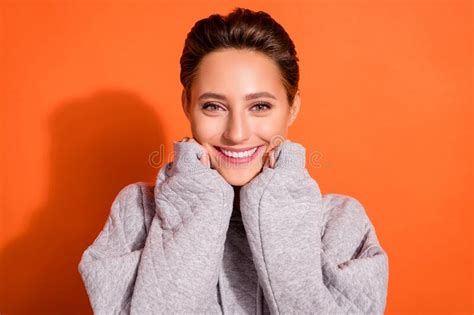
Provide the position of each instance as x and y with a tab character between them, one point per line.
239	102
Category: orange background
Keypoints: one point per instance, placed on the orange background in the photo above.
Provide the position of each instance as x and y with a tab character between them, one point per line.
90	91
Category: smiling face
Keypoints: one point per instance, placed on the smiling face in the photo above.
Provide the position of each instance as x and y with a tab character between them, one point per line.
238	102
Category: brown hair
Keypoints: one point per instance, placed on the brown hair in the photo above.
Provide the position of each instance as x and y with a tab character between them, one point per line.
241	29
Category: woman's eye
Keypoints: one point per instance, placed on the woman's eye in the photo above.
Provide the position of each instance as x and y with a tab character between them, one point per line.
262	107
211	106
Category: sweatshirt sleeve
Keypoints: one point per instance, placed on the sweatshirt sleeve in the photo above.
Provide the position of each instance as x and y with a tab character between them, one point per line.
180	264
354	264
311	255
108	266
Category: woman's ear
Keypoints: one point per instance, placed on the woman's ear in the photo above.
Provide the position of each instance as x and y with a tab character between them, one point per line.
185	105
295	108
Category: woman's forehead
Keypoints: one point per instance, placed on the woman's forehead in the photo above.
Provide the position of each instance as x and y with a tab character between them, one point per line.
238	72
240	61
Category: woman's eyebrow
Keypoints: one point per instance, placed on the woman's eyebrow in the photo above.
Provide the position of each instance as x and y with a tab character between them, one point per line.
247	97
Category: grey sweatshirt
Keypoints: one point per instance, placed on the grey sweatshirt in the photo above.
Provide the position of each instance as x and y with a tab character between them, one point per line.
180	245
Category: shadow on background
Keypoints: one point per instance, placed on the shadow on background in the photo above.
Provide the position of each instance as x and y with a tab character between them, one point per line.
99	145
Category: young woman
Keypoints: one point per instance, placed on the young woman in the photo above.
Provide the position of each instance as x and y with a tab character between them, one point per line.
235	223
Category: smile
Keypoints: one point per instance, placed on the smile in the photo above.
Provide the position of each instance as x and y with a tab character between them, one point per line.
234	156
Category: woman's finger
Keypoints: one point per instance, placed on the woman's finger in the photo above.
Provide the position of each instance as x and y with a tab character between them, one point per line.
205	160
272	158
266	159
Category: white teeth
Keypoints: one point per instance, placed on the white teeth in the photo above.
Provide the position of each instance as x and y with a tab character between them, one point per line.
238	155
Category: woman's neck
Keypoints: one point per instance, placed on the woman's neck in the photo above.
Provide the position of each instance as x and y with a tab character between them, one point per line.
236	196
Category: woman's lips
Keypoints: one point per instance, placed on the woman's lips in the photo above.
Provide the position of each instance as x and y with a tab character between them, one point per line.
243	160
237	150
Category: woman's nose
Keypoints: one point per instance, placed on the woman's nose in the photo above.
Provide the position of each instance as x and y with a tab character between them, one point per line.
237	129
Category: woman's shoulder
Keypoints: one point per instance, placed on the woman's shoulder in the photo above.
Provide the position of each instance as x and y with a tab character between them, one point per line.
343	211
136	206
347	232
340	202
135	196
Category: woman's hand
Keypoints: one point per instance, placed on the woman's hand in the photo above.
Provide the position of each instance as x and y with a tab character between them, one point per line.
205	160
270	159
270	156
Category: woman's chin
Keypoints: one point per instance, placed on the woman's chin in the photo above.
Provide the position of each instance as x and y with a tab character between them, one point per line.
238	177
